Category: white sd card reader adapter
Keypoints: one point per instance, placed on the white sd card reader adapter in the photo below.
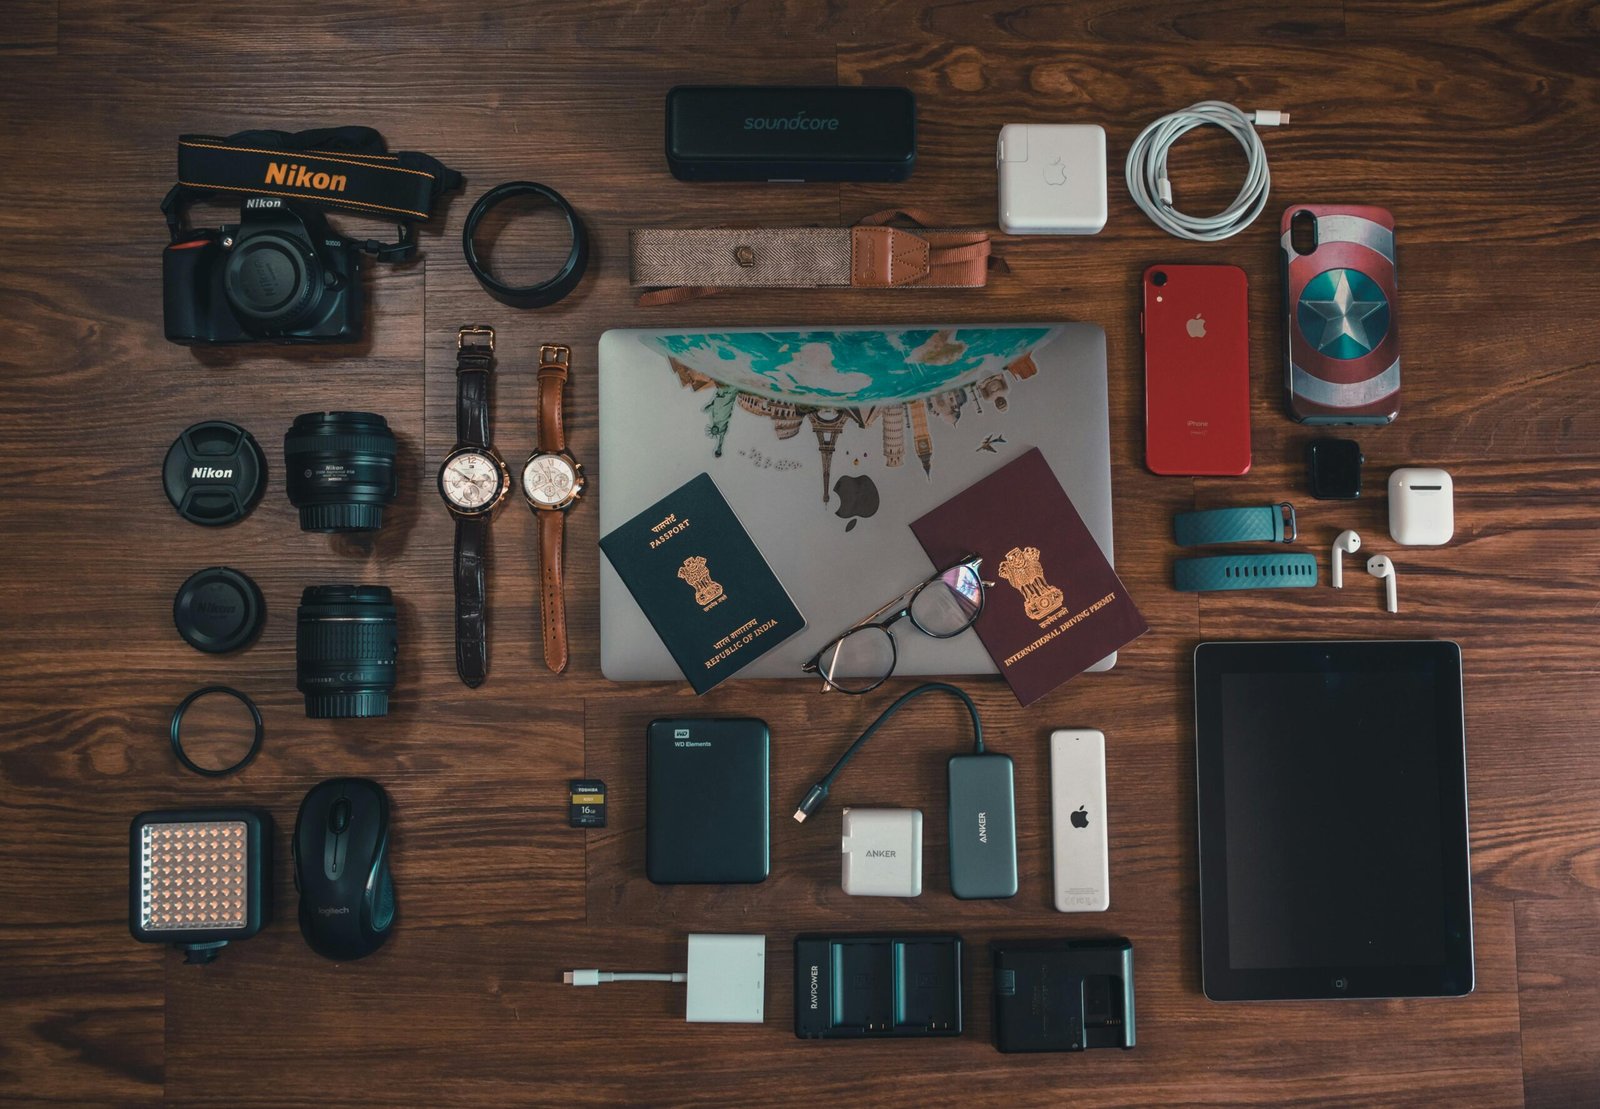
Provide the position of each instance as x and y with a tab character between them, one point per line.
983	820
727	979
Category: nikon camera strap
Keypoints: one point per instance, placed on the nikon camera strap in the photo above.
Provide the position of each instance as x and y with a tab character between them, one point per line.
337	167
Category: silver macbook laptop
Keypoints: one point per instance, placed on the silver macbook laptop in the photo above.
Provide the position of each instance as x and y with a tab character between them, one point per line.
827	443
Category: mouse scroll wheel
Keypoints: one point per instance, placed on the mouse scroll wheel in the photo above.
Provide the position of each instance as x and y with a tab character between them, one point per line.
339	816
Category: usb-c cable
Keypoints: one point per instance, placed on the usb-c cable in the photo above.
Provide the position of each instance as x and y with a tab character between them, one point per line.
1151	189
818	793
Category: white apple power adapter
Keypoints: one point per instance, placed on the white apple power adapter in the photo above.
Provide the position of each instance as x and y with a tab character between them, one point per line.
1052	178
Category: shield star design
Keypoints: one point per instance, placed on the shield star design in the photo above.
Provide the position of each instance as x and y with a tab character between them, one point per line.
1343	313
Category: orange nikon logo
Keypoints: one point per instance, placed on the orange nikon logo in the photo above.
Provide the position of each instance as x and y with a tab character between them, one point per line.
1023	569
297	176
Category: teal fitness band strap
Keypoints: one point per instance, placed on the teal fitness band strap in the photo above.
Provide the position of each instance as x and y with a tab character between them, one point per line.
1251	571
1270	523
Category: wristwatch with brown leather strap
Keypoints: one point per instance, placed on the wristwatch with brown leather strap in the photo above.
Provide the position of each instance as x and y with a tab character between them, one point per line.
473	481
552	480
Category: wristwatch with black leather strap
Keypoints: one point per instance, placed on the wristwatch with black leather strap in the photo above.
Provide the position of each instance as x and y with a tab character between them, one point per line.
552	480
473	481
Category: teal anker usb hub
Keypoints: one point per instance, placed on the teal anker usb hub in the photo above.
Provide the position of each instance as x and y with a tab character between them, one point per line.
983	827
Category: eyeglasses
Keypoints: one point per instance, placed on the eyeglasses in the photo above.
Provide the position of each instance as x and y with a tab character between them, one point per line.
864	657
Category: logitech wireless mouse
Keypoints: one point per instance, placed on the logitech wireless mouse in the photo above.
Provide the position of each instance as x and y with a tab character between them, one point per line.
341	868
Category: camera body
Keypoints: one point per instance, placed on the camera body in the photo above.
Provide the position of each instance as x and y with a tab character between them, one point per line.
281	274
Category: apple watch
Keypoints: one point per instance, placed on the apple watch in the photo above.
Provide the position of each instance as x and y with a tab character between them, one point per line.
1333	469
473	481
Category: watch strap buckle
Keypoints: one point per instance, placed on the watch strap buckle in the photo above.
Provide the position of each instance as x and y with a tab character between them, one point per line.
1290	529
475	330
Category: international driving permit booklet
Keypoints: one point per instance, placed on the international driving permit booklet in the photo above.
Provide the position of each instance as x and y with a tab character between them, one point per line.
1056	606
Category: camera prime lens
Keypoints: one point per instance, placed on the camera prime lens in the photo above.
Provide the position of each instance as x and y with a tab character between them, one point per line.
339	470
346	645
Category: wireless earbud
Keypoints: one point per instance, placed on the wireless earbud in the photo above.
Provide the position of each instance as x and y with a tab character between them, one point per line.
1379	566
1347	543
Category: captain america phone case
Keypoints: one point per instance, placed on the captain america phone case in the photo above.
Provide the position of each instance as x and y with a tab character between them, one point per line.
1342	365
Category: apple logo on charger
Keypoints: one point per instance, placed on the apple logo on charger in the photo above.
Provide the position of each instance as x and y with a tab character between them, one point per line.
1055	173
1080	819
1197	327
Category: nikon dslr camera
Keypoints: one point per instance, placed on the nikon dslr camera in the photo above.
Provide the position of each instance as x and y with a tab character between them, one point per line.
281	274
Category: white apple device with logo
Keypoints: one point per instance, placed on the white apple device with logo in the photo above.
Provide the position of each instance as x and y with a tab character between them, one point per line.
1078	820
1052	178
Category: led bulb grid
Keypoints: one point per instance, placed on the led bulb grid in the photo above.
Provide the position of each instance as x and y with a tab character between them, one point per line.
193	876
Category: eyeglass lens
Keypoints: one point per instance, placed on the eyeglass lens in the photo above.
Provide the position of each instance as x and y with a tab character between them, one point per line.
859	660
948	604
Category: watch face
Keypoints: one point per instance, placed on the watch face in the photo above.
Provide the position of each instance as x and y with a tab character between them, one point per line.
470	480
550	480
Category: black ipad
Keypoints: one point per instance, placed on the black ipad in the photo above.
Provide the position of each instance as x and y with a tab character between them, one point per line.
1333	820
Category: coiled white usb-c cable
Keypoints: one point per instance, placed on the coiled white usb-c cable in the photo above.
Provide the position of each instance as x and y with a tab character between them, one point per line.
1152	191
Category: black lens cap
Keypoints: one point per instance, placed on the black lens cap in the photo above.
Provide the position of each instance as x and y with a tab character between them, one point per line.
214	473
218	609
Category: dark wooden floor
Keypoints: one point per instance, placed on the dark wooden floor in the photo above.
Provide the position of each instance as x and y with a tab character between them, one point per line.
1477	124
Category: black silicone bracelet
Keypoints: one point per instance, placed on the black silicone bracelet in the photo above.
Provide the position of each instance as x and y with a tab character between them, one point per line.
176	731
528	296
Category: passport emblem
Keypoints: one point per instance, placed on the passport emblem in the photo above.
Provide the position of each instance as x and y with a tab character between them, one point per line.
1023	569
693	571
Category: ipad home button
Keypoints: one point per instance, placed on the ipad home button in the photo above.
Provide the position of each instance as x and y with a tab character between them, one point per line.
1341	983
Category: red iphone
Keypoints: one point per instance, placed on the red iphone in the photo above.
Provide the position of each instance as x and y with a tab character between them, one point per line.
1196	370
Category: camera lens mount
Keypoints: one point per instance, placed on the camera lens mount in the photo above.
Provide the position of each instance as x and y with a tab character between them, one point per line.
271	280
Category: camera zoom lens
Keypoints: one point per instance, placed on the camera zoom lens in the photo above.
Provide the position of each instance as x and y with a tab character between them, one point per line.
346	646
339	470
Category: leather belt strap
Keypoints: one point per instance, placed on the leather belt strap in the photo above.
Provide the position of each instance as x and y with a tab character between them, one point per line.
473	362
552	604
553	362
472	650
870	255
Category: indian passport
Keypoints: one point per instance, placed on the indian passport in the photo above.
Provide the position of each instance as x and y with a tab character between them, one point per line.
1056	606
702	583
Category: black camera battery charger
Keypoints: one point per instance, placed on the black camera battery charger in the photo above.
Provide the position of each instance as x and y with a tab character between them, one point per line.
1063	995
876	986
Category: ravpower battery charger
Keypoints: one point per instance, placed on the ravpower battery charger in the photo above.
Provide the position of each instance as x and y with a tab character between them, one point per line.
1052	178
877	986
1078	820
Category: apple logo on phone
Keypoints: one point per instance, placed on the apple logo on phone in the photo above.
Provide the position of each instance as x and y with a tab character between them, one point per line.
1197	327
1080	819
1055	173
